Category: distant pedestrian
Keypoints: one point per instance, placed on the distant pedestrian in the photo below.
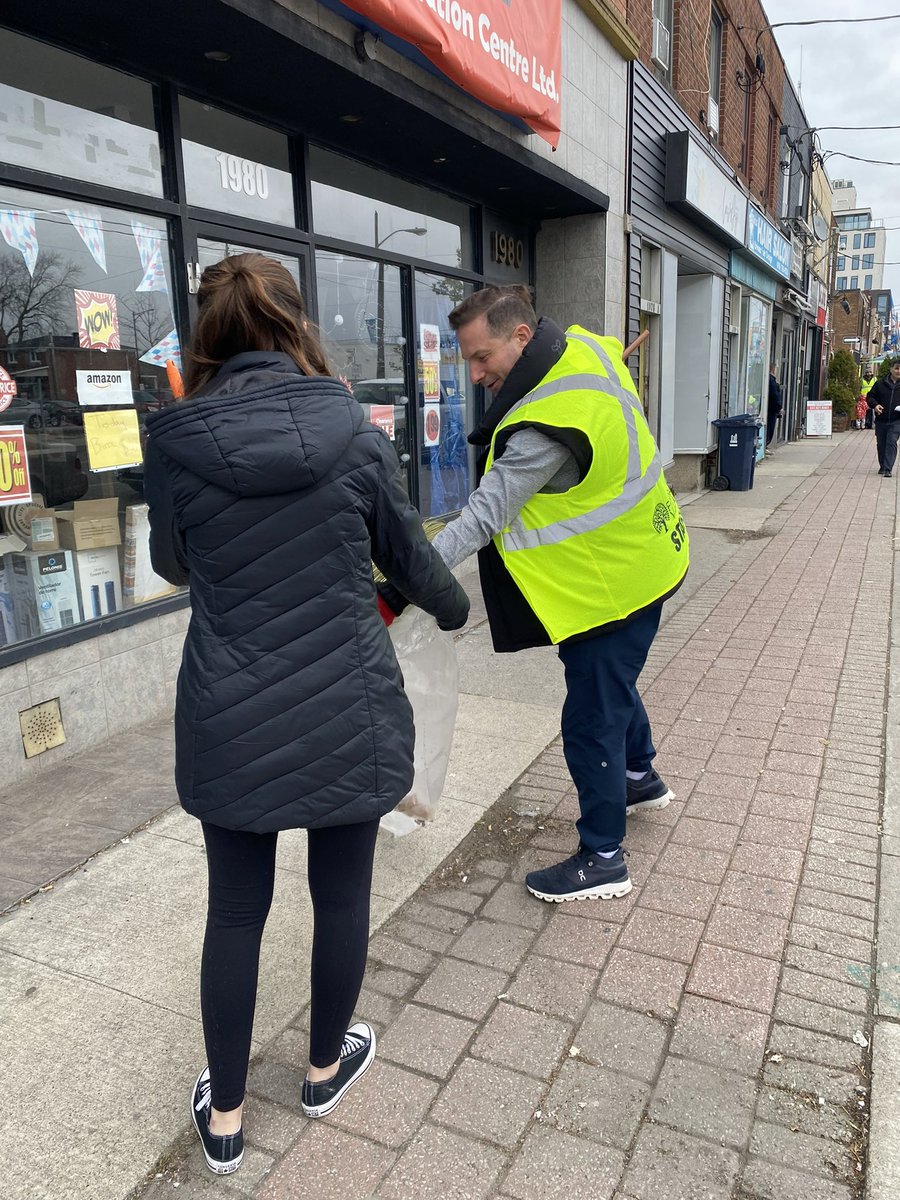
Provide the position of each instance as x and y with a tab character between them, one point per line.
862	411
884	401
866	385
270	495
580	541
775	406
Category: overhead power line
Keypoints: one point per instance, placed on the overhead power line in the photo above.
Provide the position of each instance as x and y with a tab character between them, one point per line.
878	162
852	128
826	21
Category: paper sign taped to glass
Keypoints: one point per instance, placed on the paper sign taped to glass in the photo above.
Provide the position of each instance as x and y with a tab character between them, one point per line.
113	439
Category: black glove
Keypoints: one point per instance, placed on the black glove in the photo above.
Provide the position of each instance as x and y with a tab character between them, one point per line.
393	599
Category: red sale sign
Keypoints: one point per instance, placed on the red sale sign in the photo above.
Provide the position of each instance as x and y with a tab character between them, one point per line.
504	52
15	483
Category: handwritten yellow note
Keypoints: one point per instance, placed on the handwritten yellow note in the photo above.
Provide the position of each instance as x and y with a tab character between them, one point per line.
113	439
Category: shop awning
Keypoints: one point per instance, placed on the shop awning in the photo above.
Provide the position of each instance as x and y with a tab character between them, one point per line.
285	70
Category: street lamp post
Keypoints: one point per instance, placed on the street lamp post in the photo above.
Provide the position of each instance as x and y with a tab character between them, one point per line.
418	231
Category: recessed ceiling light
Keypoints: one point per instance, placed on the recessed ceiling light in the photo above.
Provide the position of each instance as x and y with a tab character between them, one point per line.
349	118
217	55
439	160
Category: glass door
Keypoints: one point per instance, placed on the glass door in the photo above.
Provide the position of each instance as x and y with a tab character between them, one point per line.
213	245
444	398
364	324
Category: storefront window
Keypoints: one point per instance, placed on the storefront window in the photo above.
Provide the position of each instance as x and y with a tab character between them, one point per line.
748	384
64	114
235	166
86	330
444	398
358	204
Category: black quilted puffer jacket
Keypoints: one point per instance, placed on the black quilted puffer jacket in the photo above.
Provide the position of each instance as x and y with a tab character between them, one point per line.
271	495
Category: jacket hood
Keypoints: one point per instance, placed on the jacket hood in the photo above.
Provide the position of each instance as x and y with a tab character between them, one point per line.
260	426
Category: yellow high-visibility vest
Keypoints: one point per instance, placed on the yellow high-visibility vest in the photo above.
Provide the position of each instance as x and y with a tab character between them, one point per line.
614	543
865	386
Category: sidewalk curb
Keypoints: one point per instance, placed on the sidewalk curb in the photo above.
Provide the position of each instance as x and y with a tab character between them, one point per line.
883	1167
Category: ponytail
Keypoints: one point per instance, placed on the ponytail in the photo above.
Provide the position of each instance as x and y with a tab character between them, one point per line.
249	302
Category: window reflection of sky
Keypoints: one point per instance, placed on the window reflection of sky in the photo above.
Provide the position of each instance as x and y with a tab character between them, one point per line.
352	218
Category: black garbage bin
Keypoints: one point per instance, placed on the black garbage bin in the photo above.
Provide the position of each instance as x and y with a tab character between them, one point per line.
737	452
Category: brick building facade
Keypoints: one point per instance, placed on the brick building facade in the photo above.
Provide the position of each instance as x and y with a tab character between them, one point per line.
721	232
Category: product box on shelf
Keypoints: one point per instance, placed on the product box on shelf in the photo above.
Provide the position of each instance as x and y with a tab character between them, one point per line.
45	592
43	530
140	581
7	614
89	524
99	581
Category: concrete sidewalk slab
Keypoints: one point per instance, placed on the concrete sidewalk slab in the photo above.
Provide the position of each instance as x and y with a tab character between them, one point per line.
747	938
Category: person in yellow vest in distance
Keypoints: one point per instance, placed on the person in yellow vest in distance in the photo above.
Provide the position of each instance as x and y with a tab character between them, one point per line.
868	381
580	541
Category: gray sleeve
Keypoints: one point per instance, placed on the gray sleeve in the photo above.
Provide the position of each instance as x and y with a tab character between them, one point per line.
527	465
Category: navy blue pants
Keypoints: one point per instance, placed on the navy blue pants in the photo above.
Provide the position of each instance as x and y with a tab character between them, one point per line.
605	728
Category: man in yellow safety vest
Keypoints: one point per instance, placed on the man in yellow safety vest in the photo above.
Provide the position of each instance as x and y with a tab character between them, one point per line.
580	543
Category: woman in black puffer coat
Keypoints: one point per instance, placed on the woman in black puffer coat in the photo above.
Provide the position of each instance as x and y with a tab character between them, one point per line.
270	495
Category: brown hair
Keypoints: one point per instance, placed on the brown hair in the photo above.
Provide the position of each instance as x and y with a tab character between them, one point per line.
504	308
249	302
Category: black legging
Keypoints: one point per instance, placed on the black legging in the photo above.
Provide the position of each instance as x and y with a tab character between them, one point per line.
241	882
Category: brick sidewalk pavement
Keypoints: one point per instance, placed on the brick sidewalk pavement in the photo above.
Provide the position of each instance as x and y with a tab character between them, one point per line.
695	1039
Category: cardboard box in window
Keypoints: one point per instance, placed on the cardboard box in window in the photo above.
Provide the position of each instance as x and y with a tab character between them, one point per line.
140	582
89	524
44	592
99	581
43	530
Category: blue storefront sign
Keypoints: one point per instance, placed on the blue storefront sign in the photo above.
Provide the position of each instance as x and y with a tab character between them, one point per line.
764	242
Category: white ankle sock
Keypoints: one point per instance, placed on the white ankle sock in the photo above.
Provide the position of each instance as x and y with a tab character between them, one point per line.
606	853
636	774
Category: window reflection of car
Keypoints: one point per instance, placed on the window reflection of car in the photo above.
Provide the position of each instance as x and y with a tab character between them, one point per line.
69	412
391	392
146	402
33	413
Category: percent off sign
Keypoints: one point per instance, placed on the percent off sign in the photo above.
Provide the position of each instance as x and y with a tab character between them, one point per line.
15	483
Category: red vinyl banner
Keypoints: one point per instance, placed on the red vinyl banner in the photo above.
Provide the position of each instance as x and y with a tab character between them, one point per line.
506	53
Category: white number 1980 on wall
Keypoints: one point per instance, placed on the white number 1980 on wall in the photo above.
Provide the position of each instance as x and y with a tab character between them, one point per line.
242	175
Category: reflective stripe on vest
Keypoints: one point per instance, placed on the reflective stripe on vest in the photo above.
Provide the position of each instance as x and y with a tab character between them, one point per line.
636	485
520	538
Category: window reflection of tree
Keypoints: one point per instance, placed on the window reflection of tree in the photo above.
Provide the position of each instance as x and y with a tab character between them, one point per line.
33	306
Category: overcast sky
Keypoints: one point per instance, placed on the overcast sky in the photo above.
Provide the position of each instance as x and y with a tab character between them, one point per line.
848	75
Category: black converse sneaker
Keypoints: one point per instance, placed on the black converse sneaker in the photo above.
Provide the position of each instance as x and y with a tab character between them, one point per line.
357	1053
584	876
647	793
223	1154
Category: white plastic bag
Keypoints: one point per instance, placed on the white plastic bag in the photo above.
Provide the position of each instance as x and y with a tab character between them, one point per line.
427	658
